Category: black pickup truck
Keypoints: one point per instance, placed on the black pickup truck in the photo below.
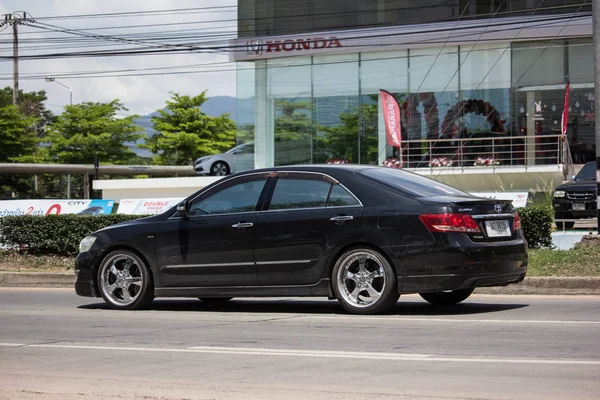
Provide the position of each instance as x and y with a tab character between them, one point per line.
576	199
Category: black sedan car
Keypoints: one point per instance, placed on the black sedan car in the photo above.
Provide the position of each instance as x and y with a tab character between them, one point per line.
363	235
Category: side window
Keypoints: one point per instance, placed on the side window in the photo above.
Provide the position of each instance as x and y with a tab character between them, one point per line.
299	193
241	197
248	149
340	197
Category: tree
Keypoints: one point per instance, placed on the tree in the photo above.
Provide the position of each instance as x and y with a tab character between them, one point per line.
30	104
88	130
17	141
293	134
341	140
186	133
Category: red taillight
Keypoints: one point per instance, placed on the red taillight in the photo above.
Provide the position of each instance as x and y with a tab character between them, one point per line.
450	223
517	222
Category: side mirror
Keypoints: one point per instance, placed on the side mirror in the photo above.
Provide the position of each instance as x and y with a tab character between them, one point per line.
182	209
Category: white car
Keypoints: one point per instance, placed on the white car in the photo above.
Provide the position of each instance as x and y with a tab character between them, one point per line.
240	158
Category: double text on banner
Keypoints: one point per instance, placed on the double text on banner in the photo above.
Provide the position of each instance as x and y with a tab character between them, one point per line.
391	116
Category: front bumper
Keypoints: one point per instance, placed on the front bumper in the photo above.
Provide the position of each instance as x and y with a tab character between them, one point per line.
563	208
85	284
203	167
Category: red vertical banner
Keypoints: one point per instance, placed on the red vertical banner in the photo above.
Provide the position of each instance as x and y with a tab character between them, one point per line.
391	116
565	113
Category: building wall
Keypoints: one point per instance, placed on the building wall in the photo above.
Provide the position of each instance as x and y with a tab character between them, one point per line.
281	17
315	108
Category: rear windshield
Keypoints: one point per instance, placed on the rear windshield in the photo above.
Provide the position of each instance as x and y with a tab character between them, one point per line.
410	183
587	173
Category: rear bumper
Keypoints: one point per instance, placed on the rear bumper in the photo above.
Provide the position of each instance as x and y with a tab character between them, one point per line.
463	264
438	283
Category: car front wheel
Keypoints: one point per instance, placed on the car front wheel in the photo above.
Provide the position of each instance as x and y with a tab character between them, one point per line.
449	298
124	281
219	169
364	282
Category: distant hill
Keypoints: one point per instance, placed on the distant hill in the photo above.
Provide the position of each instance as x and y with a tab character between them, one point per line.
214	106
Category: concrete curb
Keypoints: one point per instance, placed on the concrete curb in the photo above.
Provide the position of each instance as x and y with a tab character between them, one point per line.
550	285
37	279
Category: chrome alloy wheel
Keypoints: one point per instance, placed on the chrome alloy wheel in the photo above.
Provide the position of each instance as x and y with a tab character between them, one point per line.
361	279
219	169
121	280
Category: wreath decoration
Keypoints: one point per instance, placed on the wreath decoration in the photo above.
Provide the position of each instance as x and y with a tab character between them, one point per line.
478	107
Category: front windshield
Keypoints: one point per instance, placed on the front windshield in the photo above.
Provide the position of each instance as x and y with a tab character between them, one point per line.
587	173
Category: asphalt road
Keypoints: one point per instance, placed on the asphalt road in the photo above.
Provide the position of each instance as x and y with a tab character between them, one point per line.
55	345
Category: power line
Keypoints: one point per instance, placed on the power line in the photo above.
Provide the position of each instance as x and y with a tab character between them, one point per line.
234	48
301	17
15	20
228	65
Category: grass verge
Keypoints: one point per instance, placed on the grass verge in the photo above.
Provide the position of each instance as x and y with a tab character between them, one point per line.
15	262
579	261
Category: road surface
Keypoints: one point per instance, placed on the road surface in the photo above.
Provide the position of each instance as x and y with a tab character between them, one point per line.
57	346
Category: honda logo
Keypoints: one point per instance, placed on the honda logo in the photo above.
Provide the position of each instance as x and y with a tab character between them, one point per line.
254	47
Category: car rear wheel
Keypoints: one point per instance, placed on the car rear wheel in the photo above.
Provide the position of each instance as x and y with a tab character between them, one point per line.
449	298
215	300
124	281
364	282
219	168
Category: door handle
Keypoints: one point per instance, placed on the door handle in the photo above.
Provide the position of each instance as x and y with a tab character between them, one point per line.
342	218
242	225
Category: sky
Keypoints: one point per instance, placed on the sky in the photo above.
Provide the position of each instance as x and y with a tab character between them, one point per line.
141	94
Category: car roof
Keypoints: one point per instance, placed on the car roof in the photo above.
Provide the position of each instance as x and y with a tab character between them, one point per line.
324	168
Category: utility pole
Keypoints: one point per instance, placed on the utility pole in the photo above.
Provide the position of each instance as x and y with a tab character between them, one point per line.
15	19
596	34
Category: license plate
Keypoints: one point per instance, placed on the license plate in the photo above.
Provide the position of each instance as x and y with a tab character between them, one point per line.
578	206
497	228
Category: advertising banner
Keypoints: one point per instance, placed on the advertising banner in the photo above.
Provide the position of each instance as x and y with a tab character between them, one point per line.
391	115
565	114
519	199
63	206
147	206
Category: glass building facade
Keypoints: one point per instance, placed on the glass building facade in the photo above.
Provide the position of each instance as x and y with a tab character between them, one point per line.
307	99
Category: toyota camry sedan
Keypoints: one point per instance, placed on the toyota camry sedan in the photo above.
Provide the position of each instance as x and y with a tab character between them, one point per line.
362	235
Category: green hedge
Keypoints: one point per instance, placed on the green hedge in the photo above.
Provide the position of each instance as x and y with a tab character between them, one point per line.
54	234
536	222
61	234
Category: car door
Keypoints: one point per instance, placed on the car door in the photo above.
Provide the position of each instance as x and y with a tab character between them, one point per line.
213	246
243	158
308	216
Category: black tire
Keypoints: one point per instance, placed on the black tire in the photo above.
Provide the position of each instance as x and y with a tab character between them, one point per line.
215	300
386	284
139	274
565	225
447	298
220	168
